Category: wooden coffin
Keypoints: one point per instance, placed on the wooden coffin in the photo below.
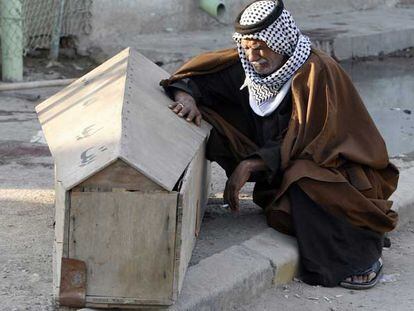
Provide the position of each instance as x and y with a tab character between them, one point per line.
131	185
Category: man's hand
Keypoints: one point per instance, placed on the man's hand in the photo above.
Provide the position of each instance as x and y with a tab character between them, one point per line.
185	107
238	178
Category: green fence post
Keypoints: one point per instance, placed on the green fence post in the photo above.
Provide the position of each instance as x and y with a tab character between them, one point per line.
11	40
57	26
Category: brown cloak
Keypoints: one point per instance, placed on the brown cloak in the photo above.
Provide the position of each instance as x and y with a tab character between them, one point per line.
332	148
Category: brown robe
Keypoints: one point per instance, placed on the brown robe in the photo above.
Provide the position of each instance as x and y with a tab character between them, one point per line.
332	149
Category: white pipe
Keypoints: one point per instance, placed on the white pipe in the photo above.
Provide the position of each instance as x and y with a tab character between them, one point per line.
34	84
215	8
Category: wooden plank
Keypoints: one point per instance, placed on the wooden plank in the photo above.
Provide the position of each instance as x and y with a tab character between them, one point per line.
206	188
178	242
170	142
57	264
123	302
82	123
60	245
127	241
118	175
193	199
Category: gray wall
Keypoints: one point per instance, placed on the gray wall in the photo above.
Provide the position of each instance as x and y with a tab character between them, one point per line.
114	23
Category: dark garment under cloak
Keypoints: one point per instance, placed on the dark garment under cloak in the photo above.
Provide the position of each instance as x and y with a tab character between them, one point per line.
331	246
221	93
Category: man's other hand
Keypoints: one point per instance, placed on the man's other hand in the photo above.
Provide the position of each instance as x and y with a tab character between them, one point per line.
233	185
238	178
185	107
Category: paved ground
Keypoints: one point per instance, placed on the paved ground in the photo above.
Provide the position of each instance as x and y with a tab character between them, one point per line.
387	87
26	209
394	293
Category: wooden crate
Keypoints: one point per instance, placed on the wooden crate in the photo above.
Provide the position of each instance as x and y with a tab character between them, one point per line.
131	183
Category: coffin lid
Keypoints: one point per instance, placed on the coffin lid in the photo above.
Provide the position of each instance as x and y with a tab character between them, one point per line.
118	111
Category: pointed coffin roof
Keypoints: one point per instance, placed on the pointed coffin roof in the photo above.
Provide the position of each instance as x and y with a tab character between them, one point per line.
118	111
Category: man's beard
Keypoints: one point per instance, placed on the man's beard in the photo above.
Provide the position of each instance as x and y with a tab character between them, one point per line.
259	66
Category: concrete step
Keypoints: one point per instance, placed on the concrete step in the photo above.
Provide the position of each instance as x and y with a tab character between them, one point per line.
241	272
344	35
300	7
324	6
361	33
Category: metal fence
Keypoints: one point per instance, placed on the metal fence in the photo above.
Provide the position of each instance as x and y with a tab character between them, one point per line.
31	24
40	17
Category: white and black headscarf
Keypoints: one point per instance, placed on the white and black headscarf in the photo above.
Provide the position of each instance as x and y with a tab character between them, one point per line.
280	35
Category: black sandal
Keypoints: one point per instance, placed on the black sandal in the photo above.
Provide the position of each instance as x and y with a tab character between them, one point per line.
376	268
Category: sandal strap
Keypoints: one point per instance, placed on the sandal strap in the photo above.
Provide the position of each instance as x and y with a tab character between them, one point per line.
376	267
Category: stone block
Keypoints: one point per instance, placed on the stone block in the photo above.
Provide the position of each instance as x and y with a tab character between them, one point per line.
281	250
235	275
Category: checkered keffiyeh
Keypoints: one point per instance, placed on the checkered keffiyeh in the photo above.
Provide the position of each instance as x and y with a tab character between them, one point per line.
283	37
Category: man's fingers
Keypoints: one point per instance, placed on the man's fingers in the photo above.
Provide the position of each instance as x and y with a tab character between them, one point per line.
184	111
191	115
231	197
198	120
178	107
227	195
172	105
234	201
225	199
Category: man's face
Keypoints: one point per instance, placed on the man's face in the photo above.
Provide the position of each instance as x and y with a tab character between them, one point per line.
263	59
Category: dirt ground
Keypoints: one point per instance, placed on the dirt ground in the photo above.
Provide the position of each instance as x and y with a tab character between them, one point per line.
26	237
27	218
70	65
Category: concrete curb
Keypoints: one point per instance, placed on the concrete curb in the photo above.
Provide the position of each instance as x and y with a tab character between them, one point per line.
241	272
404	197
361	33
372	44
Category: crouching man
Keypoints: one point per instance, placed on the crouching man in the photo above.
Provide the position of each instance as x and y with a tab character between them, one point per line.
286	116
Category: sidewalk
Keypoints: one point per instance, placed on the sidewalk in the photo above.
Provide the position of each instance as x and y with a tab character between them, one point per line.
344	35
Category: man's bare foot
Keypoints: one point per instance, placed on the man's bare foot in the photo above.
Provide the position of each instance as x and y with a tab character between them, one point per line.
366	279
362	278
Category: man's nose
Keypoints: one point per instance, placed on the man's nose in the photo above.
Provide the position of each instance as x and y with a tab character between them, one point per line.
253	56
